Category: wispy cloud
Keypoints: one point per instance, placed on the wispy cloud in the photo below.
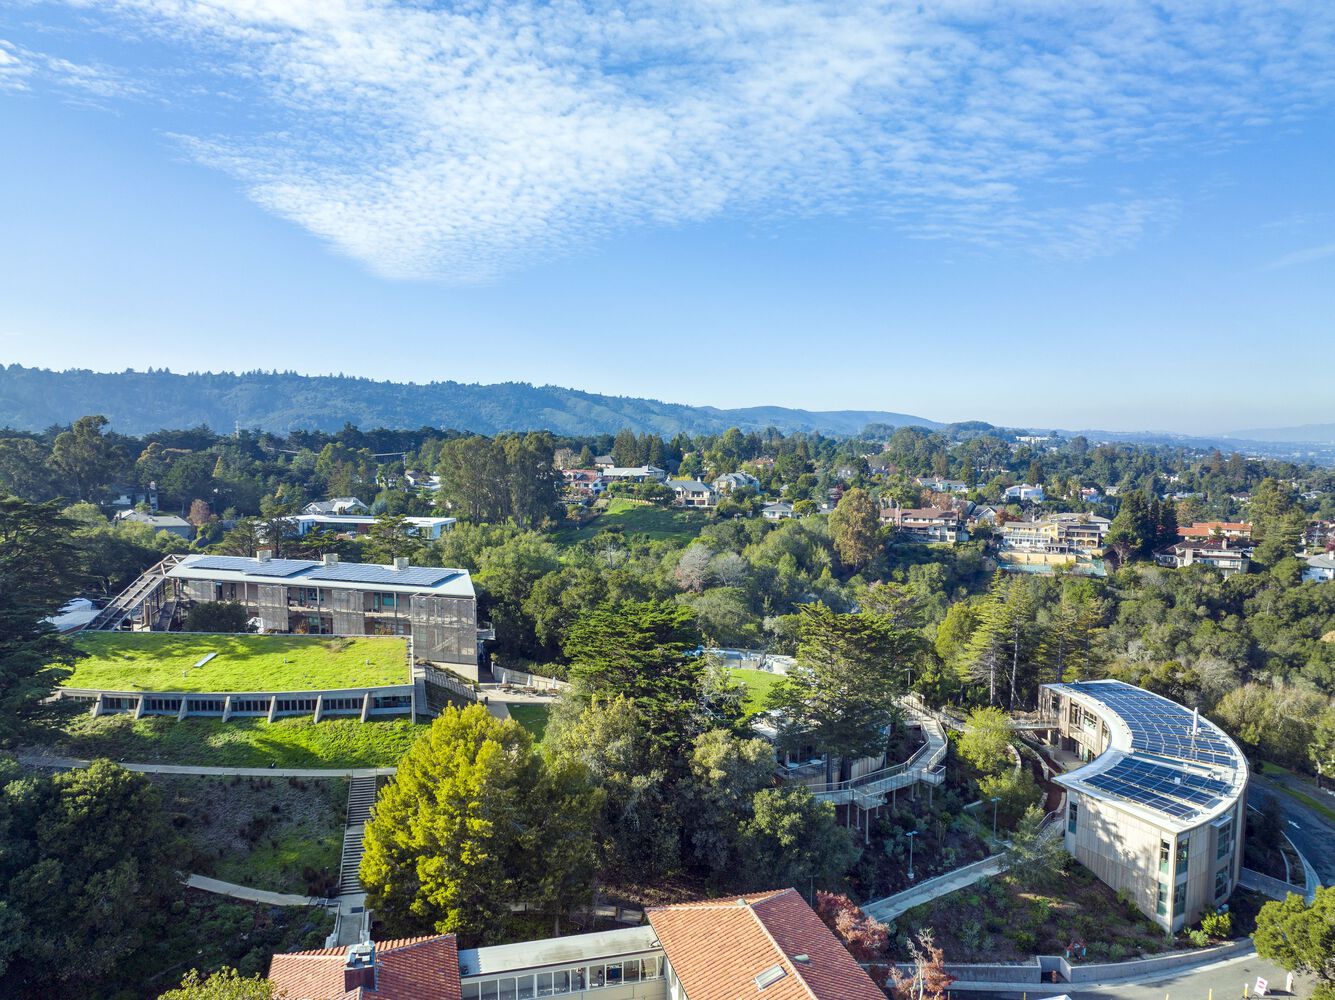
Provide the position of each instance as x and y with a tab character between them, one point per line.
21	67
461	142
1302	257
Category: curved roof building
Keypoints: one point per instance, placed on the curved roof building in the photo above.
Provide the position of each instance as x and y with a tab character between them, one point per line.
1158	809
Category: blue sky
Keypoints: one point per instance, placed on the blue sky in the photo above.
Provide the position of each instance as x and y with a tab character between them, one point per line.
1046	213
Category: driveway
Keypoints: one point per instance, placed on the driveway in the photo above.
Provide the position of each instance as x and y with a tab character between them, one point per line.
1311	833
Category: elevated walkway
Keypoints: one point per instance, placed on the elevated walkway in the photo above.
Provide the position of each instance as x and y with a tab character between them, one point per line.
869	791
129	600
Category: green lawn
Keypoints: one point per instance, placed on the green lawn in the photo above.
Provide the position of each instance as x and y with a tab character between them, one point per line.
649	520
122	661
295	742
531	717
758	684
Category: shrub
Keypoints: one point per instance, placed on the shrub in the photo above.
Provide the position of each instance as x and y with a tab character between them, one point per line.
1198	938
1025	941
1116	951
1217	925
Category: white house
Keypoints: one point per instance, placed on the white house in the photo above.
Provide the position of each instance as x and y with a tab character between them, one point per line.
634	474
777	511
1320	569
690	493
159	522
336	505
939	485
1024	493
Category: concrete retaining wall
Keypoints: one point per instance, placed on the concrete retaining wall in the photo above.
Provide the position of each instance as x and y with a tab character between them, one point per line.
227	705
505	675
1145	968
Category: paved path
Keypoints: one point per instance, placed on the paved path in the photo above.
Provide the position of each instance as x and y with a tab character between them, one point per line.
892	906
70	763
253	895
1214	981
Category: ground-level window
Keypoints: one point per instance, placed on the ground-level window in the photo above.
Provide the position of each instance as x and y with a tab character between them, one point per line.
1072	814
1221	881
1183	855
1161	906
559	982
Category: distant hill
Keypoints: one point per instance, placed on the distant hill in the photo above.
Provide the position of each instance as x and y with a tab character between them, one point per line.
1304	434
139	402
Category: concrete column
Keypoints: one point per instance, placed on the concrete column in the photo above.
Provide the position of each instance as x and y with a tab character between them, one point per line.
98	707
227	708
181	714
319	706
139	708
273	707
366	706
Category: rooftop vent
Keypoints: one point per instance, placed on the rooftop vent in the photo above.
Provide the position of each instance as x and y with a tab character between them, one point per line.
264	555
359	969
770	976
803	958
331	558
401	562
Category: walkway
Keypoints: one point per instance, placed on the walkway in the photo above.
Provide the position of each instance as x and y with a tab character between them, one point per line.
253	895
361	797
942	885
73	763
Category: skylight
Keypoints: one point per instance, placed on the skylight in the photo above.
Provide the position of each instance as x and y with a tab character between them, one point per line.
770	976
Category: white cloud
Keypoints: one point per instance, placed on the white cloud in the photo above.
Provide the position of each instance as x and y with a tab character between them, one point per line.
1302	257
462	142
20	66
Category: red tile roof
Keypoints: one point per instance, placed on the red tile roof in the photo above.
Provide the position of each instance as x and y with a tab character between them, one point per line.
424	968
718	948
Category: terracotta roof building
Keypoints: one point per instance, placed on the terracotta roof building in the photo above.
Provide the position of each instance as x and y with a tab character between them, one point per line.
769	945
425	968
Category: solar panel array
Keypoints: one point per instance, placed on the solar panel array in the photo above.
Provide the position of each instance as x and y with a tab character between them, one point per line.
242	564
1168	749
1162	727
1171	790
412	576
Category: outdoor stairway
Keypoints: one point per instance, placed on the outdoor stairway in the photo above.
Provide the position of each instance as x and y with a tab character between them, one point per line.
124	603
361	797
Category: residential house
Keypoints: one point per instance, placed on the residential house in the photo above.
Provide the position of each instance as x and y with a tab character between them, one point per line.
583	483
1320	569
1057	534
133	496
779	511
422	481
769	944
336	505
981	514
634	474
939	485
1227	555
1239	530
360	524
1024	493
730	481
169	523
691	493
603	462
924	524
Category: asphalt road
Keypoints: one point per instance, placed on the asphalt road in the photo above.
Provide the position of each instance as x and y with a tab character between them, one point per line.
1311	833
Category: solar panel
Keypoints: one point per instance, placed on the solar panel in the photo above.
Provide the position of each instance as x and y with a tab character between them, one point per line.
413	576
1162	727
1172	790
242	564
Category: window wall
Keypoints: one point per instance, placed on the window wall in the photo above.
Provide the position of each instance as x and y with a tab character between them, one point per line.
564	981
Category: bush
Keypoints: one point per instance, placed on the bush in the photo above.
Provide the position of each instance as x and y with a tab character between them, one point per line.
1198	938
1217	925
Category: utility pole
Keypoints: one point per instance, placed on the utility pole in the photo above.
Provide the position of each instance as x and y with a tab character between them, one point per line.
995	800
910	835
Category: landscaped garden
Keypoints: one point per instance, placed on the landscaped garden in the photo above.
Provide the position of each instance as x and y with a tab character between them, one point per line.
757	684
186	661
531	717
280	834
242	742
650	520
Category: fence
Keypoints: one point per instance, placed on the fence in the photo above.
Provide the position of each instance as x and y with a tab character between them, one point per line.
521	678
442	687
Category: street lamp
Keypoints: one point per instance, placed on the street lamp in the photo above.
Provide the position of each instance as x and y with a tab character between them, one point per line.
911	834
995	800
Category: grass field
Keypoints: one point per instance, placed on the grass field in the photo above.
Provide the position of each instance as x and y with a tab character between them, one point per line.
758	684
531	717
119	661
648	520
155	739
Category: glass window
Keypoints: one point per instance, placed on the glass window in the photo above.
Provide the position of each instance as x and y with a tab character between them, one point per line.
630	972
489	990
1221	883
614	973
1183	854
561	982
526	988
1224	843
544	984
1164	852
1072	814
596	977
507	990
577	979
1161	907
472	991
1179	897
653	967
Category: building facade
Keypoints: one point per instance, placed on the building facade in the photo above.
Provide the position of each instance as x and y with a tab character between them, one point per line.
434	605
1158	810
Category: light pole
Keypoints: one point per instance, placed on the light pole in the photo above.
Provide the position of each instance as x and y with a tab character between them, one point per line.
910	835
995	800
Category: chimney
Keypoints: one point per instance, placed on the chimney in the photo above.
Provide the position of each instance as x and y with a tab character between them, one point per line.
331	558
400	562
264	555
359	969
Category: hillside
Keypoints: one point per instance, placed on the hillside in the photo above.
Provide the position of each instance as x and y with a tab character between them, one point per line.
139	402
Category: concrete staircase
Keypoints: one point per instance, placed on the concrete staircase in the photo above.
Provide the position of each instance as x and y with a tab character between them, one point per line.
361	797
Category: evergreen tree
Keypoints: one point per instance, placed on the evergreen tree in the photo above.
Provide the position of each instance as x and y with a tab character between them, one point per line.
855	527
